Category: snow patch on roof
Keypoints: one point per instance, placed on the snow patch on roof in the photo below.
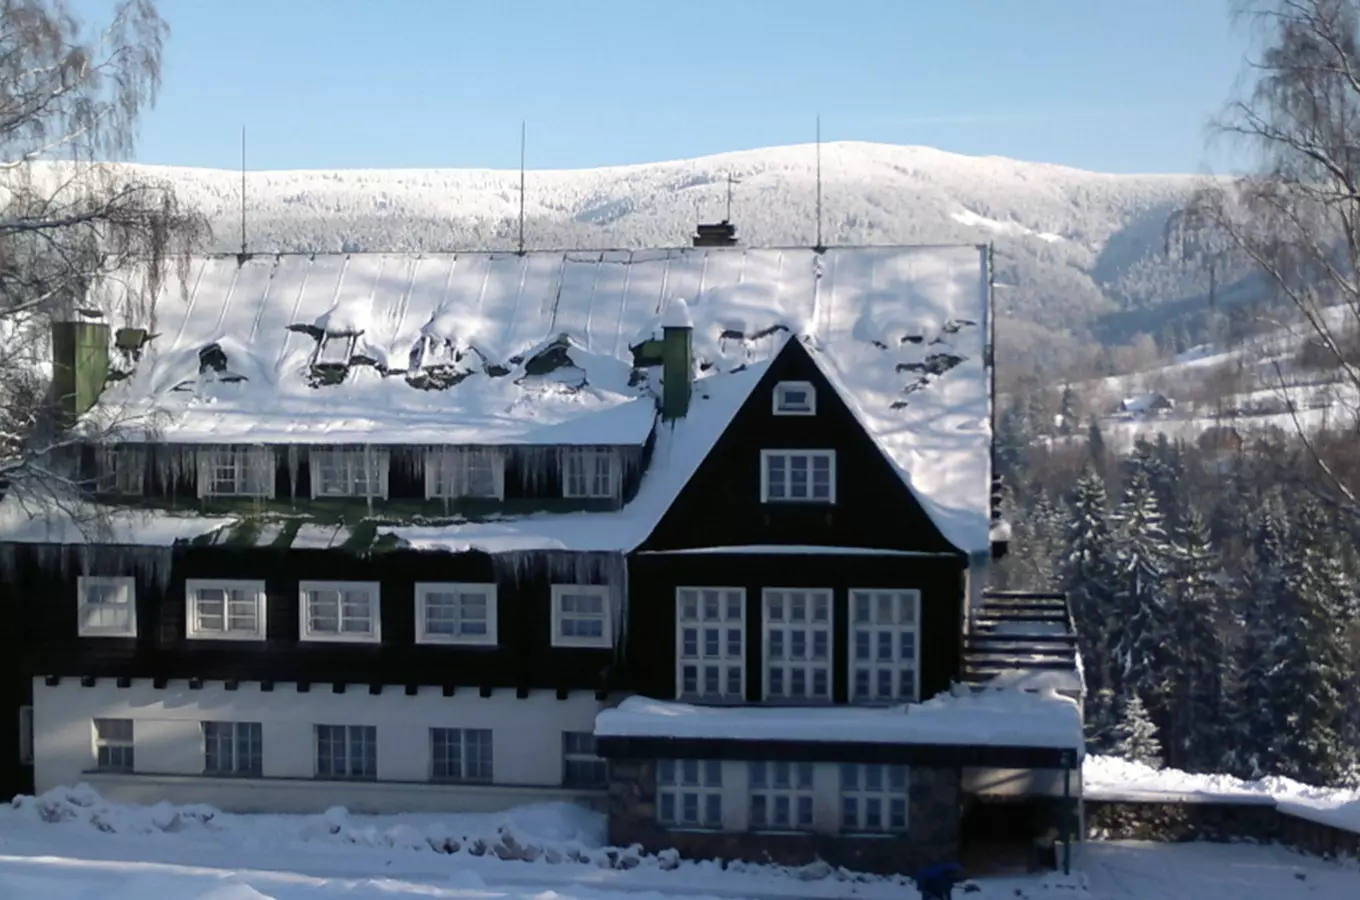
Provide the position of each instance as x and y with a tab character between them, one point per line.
67	520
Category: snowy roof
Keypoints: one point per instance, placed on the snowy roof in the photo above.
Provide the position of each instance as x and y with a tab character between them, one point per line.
998	718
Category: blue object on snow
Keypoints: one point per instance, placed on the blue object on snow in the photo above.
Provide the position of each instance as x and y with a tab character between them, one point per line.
936	882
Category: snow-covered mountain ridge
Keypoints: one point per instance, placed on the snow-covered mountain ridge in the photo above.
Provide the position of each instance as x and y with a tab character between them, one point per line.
1072	246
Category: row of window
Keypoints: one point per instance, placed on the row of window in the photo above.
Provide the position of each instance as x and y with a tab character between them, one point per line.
452	473
348	752
781	796
446	612
883	653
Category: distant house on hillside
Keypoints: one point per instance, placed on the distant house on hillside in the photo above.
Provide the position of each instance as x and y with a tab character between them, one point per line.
697	535
1145	405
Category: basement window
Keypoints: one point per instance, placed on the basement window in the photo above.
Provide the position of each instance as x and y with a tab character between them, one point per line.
587	472
225	610
798	476
113	745
340	611
873	799
689	793
236	472
795	398
349	472
107	606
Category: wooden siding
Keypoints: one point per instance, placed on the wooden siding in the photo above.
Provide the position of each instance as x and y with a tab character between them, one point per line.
721	505
653	579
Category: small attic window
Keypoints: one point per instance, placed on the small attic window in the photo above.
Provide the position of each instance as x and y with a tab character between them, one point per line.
795	398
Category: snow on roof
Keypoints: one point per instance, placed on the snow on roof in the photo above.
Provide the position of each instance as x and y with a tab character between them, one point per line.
998	718
68	520
1145	402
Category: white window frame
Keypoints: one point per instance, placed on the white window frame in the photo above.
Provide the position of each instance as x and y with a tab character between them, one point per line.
104	742
689	785
789	661
695	613
121	470
781	405
447	472
466	754
305	630
602	591
247	462
355	463
193	628
882	636
25	735
575	755
866	792
349	733
232	738
810	457
793	792
426	588
587	458
128	588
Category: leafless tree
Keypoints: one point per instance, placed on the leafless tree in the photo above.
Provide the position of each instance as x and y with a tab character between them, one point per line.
1294	221
73	218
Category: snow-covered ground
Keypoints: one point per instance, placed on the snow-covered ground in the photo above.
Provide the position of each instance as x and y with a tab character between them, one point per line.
71	845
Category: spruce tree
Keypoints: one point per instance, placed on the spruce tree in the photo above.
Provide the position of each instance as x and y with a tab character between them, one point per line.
1197	655
1088	576
1143	555
1135	736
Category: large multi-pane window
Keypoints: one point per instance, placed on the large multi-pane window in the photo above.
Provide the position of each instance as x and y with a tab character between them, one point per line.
233	748
883	645
587	472
113	745
689	793
798	476
781	796
339	611
581	767
455	472
225	609
236	472
710	631
347	751
873	798
797	644
448	613
106	606
348	472
461	754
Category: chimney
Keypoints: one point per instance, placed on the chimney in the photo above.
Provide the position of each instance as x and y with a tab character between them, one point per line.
80	366
722	234
677	359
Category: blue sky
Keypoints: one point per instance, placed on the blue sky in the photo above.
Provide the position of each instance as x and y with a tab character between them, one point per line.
1106	85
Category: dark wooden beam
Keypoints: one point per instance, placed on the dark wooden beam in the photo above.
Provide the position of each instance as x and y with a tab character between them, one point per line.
412	690
337	687
159	683
195	684
562	693
375	689
87	681
485	691
303	687
521	692
231	684
52	680
124	681
450	690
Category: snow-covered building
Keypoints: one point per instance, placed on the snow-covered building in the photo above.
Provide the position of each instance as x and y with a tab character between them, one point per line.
694	533
1140	406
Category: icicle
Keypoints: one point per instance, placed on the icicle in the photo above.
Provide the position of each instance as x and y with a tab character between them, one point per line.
536	466
294	463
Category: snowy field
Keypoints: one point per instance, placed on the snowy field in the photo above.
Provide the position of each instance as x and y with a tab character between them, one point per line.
71	845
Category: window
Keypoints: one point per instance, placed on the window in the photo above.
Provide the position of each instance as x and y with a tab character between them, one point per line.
122	470
25	735
113	745
689	793
346	751
883	646
465	472
781	796
233	748
460	754
581	768
580	616
795	398
710	632
587	472
340	611
456	613
798	476
348	472
107	606
225	610
797	644
236	472
873	798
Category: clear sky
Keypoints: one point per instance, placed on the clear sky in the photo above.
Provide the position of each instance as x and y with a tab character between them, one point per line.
1101	84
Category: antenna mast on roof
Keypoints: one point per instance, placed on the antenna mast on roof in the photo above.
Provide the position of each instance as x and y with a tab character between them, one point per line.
522	133
819	247
243	190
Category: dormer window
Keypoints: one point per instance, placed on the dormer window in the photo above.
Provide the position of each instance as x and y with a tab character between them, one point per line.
457	472
236	472
795	398
349	472
587	472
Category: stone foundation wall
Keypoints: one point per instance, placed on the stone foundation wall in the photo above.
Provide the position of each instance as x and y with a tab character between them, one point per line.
933	823
1252	821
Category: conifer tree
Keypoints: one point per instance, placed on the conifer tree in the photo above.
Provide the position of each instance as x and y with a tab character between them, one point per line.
1143	557
1135	736
1089	577
1197	652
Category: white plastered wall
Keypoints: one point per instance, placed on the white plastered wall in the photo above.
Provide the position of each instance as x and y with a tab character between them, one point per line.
167	734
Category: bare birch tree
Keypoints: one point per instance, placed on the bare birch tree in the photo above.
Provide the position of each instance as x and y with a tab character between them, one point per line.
1294	221
72	216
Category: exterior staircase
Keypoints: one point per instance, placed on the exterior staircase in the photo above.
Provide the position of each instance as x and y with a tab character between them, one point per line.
1021	631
